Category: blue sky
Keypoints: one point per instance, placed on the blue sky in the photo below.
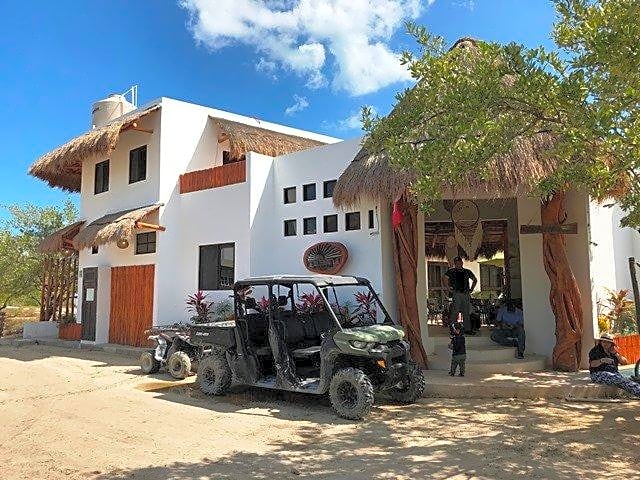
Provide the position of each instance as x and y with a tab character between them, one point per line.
295	62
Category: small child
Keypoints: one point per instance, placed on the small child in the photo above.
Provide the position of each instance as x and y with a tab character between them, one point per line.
458	349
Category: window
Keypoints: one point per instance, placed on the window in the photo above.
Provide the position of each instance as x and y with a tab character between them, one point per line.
309	226
309	192
145	243
101	184
217	267
328	188
372	219
138	164
352	221
289	228
290	195
94	250
330	223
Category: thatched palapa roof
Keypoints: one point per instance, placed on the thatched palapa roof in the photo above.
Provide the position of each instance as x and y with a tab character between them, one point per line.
62	167
61	239
112	227
245	138
371	177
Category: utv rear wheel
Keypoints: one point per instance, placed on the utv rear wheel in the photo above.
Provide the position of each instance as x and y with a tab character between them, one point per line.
214	375
411	387
351	393
148	362
179	365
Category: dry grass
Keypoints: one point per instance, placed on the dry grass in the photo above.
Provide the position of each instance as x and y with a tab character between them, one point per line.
62	167
245	138
112	227
16	317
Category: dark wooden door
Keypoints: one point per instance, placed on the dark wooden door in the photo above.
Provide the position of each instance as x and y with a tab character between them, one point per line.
132	294
89	301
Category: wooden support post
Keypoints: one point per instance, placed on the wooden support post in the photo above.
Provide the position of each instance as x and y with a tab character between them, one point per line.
150	226
636	293
564	295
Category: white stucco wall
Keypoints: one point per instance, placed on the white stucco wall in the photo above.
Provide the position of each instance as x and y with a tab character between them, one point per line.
273	253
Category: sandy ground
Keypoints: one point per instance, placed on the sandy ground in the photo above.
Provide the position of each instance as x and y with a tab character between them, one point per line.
90	415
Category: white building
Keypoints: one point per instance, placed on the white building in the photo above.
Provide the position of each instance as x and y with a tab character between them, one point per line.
177	197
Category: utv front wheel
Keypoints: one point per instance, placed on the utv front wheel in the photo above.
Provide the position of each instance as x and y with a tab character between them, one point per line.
179	365
351	393
148	362
411	387
214	375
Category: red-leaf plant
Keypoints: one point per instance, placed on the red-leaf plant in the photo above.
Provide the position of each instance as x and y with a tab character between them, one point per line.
366	302
310	303
200	307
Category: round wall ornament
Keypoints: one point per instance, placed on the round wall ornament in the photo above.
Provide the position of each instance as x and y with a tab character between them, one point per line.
325	257
465	214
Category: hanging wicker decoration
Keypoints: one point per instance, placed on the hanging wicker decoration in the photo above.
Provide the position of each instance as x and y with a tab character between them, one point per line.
467	227
326	257
122	243
451	248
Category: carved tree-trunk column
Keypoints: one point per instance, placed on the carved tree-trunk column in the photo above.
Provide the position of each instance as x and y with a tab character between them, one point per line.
405	246
565	294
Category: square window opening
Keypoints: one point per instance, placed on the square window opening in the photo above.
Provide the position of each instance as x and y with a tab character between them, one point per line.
101	180
309	192
138	164
290	195
330	223
145	243
289	228
352	221
327	188
309	226
216	267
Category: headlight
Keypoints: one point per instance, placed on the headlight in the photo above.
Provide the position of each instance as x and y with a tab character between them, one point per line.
359	344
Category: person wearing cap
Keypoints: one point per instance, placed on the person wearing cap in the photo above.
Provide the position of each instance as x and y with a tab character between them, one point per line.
462	281
604	359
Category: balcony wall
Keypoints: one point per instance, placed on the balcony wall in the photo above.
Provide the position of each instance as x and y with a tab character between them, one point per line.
229	174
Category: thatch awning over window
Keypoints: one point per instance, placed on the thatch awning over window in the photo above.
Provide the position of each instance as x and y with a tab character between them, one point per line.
112	227
371	177
62	167
245	138
61	239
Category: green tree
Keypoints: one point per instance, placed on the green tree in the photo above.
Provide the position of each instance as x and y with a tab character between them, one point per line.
471	104
20	262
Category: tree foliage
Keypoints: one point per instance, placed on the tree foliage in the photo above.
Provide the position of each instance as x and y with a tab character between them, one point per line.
20	262
469	104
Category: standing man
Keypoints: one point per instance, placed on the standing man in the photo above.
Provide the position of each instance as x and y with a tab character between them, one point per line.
459	279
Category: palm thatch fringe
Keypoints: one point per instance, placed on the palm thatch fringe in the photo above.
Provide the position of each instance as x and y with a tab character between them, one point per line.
112	227
245	138
371	177
62	167
60	239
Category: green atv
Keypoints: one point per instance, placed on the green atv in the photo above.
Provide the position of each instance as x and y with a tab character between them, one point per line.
311	334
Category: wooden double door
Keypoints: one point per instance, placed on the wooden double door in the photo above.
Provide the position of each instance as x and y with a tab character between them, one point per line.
132	293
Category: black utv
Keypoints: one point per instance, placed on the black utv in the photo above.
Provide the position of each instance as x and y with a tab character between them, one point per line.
312	334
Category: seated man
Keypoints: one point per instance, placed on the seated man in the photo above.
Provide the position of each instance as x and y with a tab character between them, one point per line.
604	359
509	328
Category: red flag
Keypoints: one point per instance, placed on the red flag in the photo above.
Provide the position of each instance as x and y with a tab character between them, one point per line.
396	215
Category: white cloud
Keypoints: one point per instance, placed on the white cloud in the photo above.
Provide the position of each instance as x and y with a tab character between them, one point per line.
299	104
345	40
468	4
352	122
267	67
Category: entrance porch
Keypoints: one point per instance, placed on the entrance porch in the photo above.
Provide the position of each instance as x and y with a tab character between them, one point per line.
508	263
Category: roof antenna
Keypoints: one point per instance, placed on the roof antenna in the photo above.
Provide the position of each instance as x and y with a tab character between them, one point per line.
133	95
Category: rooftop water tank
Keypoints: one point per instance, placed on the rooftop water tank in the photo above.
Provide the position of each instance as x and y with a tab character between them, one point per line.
110	108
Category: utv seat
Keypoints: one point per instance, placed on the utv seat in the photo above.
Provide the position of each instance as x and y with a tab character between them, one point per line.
306	352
